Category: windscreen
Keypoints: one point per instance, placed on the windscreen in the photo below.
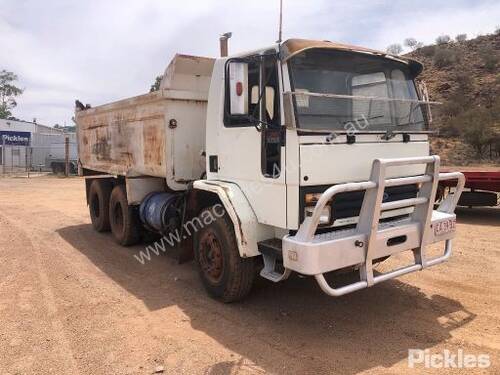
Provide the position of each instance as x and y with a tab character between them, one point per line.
346	91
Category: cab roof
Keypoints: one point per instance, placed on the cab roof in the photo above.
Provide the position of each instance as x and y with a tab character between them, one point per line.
292	47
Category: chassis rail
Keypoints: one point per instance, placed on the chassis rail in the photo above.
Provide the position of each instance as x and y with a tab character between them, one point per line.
312	254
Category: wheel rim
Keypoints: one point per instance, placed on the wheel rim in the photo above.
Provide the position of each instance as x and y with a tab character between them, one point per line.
118	218
211	258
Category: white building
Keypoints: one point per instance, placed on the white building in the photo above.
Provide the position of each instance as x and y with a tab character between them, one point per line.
28	145
25	126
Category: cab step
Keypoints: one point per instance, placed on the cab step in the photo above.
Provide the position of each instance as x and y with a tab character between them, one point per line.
271	247
273	260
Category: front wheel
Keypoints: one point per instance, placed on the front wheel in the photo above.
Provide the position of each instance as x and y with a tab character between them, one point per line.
225	275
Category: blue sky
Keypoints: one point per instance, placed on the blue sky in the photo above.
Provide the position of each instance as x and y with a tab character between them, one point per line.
103	50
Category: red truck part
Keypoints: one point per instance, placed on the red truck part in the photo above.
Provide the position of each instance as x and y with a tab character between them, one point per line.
484	188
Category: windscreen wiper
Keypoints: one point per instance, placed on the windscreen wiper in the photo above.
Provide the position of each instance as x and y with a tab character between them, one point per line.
389	134
364	118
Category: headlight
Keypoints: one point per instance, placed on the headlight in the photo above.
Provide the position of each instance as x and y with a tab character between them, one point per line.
324	218
312	198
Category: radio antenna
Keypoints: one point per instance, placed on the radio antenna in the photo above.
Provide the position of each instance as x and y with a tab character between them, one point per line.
280	33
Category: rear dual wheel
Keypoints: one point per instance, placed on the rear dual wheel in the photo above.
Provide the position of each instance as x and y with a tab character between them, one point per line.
109	210
122	218
99	193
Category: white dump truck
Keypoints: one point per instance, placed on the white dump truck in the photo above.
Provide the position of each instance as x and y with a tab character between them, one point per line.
305	156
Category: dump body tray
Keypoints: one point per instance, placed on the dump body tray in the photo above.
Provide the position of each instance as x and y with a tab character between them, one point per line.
159	134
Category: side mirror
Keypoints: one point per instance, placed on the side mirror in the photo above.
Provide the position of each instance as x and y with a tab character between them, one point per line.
424	94
238	88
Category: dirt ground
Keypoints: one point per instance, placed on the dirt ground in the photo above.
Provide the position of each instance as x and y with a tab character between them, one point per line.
74	302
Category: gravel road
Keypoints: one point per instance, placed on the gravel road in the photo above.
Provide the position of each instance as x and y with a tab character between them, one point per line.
74	302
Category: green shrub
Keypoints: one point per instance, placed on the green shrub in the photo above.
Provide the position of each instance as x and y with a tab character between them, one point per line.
444	57
464	80
448	129
451	107
428	51
490	59
477	129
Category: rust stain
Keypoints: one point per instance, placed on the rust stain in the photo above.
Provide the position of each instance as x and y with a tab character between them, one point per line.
153	134
101	149
96	126
243	240
226	190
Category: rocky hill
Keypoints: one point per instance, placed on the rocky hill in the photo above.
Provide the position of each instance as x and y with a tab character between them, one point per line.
465	76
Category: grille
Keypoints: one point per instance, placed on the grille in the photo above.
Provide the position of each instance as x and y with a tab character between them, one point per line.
347	205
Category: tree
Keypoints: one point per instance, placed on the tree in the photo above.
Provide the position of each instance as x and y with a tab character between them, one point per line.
461	37
8	92
410	42
478	128
443	39
156	86
394	49
490	58
413	44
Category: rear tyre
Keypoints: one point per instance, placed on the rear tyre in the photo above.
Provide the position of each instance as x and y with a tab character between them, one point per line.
99	193
122	218
225	275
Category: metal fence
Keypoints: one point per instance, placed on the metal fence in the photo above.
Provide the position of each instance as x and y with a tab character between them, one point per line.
26	160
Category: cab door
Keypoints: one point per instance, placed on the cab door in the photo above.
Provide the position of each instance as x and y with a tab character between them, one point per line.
250	148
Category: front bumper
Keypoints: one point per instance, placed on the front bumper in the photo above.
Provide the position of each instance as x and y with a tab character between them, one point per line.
315	254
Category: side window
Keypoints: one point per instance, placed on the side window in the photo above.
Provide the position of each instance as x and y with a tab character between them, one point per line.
246	104
243	94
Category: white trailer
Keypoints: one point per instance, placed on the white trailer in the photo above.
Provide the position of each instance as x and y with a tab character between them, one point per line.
305	156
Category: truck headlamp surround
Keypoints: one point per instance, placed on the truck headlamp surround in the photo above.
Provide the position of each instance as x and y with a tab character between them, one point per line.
312	198
324	218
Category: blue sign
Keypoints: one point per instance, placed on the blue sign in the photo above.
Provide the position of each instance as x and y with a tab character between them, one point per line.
8	137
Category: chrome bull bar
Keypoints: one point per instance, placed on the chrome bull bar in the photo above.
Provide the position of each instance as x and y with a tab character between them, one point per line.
312	254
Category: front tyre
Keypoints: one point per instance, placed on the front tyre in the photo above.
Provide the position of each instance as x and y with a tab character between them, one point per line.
224	274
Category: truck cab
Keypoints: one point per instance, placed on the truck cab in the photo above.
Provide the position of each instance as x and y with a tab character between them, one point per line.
321	120
317	154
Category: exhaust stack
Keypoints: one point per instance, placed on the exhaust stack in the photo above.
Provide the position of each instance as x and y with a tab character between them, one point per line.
224	43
